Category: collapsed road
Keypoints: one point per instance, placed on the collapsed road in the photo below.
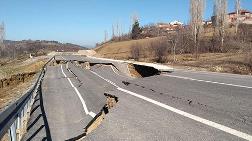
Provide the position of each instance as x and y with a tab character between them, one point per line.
89	99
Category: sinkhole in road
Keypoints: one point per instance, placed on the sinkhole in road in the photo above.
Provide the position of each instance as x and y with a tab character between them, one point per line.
134	70
57	62
141	70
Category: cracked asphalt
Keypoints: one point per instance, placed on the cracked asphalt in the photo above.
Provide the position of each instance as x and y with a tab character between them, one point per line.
203	94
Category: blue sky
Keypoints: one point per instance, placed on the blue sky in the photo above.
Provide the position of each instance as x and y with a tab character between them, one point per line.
84	21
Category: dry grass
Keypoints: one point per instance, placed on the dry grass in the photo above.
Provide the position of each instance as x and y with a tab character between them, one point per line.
239	63
13	92
216	62
121	50
209	32
15	67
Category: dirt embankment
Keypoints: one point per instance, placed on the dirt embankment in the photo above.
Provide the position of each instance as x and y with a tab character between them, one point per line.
17	77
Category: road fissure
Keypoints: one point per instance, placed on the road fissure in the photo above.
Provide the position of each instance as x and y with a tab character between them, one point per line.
92	114
185	114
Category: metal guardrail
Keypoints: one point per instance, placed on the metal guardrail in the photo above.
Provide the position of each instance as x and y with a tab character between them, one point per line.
13	120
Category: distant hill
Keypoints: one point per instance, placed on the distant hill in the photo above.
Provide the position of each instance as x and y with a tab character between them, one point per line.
36	47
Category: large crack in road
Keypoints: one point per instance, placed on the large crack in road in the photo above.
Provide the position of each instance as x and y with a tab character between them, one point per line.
111	101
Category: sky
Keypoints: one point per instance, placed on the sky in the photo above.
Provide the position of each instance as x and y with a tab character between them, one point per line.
84	22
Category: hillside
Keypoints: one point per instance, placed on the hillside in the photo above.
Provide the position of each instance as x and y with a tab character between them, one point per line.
39	47
234	57
121	50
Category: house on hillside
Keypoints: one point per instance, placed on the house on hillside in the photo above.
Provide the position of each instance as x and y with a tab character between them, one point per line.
161	29
244	17
208	23
175	25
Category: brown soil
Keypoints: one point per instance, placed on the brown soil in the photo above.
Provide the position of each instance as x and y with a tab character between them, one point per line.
19	67
133	71
13	92
5	138
96	123
111	101
18	79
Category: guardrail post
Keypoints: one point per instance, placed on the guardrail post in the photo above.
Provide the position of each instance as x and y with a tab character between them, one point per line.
13	134
25	118
19	127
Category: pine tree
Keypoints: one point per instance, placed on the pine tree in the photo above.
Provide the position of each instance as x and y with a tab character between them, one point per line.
136	30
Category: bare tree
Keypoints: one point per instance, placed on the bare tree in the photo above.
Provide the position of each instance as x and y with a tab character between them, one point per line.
160	49
117	29
196	11
185	42
135	51
244	31
237	8
2	33
2	36
105	36
113	31
220	19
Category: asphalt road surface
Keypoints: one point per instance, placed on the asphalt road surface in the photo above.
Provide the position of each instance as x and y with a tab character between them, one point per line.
183	105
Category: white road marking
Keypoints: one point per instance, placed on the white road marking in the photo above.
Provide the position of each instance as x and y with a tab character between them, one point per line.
193	117
63	57
210	72
185	114
67	65
115	71
199	80
92	114
105	79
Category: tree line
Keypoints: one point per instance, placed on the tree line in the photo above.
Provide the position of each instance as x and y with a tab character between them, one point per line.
196	37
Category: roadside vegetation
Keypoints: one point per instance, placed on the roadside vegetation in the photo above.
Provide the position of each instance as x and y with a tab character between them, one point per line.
16	77
235	56
215	46
20	61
